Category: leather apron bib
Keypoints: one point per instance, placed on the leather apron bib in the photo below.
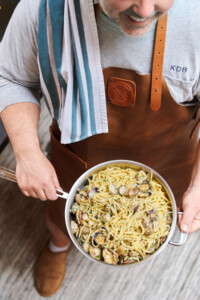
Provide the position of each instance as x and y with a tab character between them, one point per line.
145	125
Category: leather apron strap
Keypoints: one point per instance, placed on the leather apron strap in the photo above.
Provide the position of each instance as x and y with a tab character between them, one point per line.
157	67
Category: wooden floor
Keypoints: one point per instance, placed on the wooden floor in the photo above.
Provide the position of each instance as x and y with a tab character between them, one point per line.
174	274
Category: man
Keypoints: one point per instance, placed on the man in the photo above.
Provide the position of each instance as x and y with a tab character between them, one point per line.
151	118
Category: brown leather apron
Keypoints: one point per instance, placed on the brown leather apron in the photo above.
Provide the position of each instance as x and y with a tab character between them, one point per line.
145	125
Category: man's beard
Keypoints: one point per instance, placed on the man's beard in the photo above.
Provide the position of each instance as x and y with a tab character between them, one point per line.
126	27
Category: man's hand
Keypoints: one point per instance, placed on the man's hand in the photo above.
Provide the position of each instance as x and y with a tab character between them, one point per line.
36	176
191	200
190	220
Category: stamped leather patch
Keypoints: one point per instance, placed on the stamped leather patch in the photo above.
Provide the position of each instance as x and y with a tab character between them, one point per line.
121	92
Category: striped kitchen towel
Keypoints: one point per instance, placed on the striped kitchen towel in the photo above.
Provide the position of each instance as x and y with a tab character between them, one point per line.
70	68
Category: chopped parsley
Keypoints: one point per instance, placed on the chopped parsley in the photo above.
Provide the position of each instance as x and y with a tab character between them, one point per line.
89	207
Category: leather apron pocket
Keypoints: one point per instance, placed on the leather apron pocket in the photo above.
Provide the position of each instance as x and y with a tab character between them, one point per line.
67	164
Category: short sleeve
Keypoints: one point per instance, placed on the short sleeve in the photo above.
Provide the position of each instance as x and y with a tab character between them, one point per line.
19	72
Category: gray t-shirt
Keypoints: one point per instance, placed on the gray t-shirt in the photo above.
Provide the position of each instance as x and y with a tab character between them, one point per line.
19	73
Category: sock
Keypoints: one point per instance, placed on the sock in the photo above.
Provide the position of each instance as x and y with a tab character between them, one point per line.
54	248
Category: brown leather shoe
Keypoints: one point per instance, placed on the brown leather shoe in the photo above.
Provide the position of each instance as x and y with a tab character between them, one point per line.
50	271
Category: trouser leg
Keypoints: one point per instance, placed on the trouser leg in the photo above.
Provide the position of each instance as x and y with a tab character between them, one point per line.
68	169
55	221
54	210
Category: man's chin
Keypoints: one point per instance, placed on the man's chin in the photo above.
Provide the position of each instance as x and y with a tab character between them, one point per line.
131	28
136	31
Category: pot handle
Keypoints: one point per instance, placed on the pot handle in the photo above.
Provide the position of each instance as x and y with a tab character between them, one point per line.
183	236
62	194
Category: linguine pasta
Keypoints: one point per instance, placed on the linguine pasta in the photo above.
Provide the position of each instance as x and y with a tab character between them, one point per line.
121	216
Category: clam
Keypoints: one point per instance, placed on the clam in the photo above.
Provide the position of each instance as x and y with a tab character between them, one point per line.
74	227
148	225
86	246
133	254
85	230
95	252
144	194
106	217
79	217
133	191
133	206
99	238
80	197
123	190
110	257
129	260
83	208
146	222
113	189
75	207
93	192
141	176
83	193
122	250
145	190
144	187
149	176
114	245
148	231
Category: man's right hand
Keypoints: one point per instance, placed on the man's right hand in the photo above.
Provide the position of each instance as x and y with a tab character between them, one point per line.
36	176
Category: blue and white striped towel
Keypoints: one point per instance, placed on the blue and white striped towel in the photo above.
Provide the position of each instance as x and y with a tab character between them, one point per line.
70	68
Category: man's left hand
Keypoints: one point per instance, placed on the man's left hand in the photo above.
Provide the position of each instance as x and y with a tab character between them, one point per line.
190	220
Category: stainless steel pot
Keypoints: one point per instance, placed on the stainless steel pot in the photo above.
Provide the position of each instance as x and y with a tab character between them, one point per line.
81	182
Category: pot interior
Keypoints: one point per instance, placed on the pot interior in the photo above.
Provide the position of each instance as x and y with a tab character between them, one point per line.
82	181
